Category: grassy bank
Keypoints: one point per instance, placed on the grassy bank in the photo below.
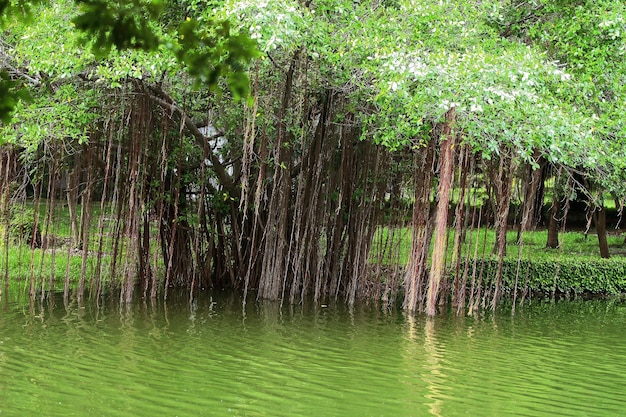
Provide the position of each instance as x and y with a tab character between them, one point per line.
574	268
56	257
20	265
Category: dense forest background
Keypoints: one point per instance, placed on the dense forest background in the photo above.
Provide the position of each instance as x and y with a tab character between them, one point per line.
282	148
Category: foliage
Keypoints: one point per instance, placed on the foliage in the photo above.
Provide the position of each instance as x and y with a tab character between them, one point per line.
121	24
207	49
22	223
406	64
11	96
64	116
509	97
211	51
506	94
587	39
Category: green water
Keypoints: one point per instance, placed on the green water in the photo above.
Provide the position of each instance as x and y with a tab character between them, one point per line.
215	358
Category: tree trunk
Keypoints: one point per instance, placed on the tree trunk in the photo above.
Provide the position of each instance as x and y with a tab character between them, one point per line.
553	226
460	225
446	170
531	195
420	244
599	218
72	184
275	266
504	200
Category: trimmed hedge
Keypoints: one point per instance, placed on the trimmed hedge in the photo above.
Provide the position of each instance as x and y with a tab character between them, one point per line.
597	276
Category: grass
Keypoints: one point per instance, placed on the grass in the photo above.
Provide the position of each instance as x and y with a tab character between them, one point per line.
574	245
19	264
16	262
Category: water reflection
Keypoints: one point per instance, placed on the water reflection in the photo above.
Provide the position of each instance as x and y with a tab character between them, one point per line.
435	378
424	355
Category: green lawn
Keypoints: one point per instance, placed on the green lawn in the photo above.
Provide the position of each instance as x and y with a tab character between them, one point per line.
573	245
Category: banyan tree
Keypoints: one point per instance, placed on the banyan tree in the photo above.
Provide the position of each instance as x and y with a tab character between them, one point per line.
293	171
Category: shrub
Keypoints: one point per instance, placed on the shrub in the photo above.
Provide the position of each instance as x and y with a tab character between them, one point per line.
584	276
22	225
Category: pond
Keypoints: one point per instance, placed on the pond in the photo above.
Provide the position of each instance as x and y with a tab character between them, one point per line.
216	358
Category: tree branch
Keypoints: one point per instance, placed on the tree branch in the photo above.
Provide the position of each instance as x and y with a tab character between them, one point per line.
6	62
161	98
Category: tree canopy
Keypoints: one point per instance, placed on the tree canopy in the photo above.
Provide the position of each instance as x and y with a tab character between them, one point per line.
110	40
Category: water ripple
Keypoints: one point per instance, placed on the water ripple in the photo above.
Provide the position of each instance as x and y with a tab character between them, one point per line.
218	359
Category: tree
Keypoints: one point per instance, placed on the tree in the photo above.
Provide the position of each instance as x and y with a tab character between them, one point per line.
81	96
290	193
588	38
507	99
